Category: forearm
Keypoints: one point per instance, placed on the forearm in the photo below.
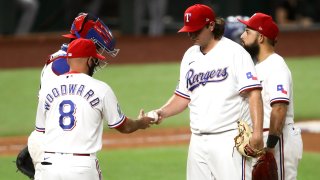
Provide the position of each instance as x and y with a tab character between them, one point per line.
130	125
175	105
256	112
277	118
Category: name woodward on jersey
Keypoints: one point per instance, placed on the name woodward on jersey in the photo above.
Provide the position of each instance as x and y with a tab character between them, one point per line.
71	89
194	80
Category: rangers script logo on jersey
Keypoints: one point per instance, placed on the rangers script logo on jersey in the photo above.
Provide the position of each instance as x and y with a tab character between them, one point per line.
194	80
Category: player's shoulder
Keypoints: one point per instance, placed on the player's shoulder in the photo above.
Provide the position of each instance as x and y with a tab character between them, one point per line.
100	85
191	53
226	42
277	61
193	49
231	48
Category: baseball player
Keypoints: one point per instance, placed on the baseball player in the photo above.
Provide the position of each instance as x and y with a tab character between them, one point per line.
281	136
85	26
219	84
70	113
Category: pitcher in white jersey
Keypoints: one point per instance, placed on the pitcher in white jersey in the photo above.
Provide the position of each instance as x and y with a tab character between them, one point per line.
71	111
219	84
281	136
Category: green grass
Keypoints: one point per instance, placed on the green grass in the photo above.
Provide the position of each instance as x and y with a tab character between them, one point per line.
306	81
146	86
167	163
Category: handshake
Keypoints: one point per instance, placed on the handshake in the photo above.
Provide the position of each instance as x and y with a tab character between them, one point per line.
155	115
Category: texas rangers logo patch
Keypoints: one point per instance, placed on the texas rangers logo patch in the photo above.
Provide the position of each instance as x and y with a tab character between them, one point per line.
250	76
280	88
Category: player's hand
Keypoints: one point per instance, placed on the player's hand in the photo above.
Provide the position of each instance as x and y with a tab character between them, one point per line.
270	150
256	141
144	121
160	115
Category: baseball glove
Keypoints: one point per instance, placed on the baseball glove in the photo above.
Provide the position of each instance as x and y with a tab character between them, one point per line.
24	163
265	168
242	141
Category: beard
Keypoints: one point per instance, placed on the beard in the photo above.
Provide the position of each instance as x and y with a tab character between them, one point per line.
253	49
91	71
90	68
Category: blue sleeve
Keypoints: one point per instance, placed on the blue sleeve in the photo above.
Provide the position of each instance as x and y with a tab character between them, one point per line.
60	66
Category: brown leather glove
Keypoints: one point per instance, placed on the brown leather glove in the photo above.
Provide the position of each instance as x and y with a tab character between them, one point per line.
265	168
242	141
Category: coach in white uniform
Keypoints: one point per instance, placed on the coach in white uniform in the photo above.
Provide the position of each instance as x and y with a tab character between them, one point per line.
84	26
71	111
282	138
219	84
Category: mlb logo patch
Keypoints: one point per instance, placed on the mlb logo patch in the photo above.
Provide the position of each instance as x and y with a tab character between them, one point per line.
250	76
280	88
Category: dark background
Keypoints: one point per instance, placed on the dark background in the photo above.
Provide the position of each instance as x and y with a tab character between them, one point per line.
57	15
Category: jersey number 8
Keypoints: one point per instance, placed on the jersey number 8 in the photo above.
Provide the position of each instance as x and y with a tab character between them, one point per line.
67	120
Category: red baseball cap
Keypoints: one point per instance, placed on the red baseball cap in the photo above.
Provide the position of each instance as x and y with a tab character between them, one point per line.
196	17
263	24
83	48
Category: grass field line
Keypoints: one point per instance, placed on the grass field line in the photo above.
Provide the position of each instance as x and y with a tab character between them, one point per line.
146	138
311	126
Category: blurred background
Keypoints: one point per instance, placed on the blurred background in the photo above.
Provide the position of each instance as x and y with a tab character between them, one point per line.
144	29
150	51
144	17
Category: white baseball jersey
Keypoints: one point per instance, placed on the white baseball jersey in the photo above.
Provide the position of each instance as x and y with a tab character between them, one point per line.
213	82
275	77
276	81
70	112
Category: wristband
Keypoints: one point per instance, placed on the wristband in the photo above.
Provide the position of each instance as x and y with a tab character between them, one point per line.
272	141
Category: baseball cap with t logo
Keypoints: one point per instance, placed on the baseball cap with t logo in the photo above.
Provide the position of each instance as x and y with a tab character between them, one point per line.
81	48
196	17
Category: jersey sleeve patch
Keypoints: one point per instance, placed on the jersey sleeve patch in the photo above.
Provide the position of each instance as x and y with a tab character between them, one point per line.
281	89
178	93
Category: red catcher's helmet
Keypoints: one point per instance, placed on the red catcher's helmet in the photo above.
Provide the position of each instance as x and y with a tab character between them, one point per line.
89	27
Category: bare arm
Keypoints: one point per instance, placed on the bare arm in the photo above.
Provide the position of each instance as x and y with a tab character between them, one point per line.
277	118
174	105
130	125
256	113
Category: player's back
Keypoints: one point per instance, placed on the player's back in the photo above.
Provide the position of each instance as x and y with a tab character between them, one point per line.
72	107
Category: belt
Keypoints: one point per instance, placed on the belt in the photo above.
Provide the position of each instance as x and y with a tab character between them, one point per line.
211	133
74	154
